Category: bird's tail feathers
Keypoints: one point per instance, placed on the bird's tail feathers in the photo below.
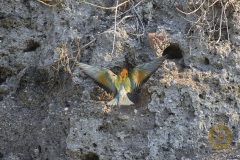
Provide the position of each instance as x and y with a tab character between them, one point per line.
120	100
125	100
113	102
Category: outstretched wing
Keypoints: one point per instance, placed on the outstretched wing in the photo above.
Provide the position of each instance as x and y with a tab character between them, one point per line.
101	76
142	72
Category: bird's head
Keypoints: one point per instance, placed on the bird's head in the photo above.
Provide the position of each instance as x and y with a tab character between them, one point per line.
124	74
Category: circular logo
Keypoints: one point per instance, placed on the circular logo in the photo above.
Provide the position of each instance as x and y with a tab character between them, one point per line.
220	136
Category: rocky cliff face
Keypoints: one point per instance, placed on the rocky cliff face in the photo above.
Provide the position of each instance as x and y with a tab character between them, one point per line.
50	110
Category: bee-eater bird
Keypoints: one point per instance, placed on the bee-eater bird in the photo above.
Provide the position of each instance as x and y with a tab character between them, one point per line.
124	86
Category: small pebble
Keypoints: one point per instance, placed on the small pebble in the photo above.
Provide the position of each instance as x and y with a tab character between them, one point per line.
124	117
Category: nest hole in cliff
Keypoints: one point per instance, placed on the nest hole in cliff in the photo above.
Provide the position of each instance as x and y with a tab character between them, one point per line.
31	46
173	51
90	156
206	61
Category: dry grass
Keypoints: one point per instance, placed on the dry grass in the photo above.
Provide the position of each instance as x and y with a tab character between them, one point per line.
211	18
108	8
51	3
115	9
121	9
66	58
63	58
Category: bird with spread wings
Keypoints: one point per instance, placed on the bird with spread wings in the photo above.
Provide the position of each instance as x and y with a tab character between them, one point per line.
124	86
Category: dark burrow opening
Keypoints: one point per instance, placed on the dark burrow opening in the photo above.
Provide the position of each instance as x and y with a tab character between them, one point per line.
206	61
90	156
173	51
31	46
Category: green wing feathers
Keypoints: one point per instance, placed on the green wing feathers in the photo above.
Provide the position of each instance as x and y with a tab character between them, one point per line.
102	76
142	72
